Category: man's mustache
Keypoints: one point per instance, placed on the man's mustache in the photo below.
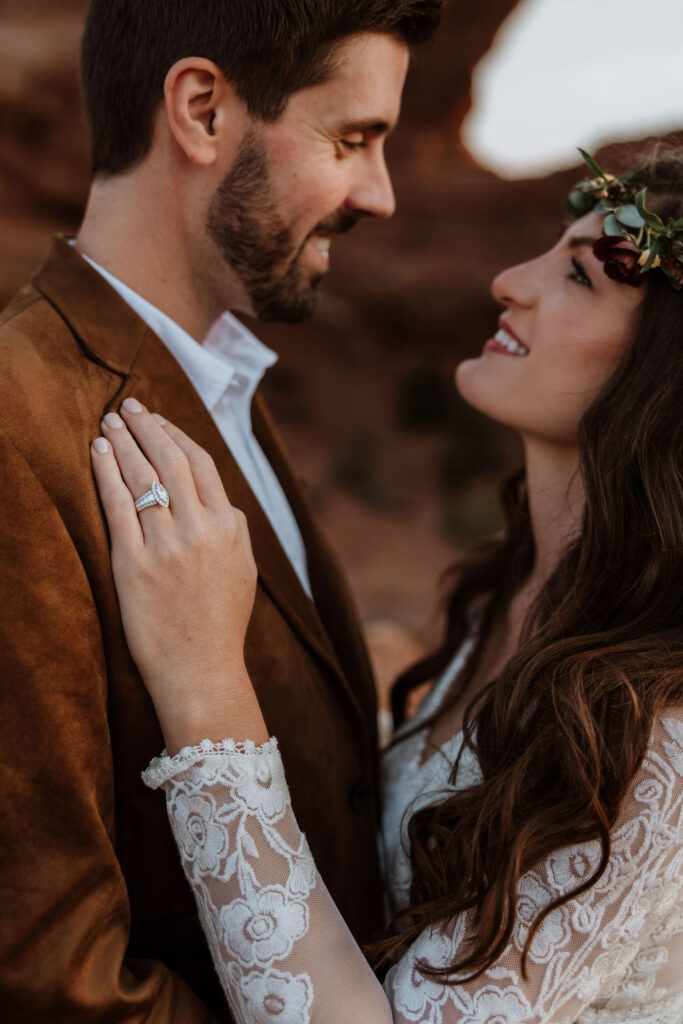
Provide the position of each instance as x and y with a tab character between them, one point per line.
337	224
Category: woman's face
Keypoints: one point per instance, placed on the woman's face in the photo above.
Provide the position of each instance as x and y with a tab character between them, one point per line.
563	331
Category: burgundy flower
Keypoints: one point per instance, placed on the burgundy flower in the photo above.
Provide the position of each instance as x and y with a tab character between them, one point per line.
620	257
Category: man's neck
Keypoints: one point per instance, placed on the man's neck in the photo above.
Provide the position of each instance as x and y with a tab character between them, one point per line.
137	242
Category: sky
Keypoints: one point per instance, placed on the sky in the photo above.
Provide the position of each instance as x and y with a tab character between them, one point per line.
568	73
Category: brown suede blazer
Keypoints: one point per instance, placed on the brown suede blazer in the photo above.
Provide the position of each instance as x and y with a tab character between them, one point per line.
98	923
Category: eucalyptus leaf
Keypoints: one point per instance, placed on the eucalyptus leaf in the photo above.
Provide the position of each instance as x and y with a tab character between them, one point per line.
581	202
591	164
612	226
629	216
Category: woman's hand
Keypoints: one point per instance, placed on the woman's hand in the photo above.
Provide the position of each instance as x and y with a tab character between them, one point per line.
185	577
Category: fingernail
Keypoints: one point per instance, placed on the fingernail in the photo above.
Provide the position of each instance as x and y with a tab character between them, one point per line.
160	419
101	445
112	419
131	405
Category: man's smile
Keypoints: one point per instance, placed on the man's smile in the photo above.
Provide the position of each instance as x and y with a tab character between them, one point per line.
320	247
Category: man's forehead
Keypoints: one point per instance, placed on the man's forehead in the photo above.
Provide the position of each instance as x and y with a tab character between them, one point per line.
367	82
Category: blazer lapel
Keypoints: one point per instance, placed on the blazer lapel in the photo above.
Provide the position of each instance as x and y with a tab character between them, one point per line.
114	336
158	381
333	599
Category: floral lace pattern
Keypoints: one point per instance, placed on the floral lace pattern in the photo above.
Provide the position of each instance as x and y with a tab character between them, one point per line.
609	955
284	956
225	802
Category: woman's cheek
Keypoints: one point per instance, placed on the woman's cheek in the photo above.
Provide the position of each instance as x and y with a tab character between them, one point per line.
595	363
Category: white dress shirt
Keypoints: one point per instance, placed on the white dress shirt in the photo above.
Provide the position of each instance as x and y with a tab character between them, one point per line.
225	369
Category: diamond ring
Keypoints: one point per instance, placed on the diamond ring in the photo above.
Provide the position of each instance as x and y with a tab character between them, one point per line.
156	495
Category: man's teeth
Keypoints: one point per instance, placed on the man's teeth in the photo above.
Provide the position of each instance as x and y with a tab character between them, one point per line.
321	243
510	343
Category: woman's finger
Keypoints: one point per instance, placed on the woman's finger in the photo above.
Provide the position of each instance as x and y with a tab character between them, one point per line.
136	470
206	477
167	458
117	502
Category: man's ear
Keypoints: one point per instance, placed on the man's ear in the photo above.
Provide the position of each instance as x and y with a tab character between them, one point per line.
201	107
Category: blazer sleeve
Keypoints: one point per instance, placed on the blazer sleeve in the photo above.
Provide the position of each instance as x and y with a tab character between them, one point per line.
65	914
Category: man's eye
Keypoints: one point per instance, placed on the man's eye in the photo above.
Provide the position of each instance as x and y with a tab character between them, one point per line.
580	275
348	144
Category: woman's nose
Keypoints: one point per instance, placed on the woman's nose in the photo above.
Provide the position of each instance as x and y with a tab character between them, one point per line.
516	286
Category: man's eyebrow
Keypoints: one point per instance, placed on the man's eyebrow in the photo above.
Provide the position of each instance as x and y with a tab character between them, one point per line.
579	240
368	125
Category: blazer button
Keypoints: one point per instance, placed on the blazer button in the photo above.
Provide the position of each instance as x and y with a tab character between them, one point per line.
360	795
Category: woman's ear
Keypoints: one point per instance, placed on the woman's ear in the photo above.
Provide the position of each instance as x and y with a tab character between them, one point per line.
201	106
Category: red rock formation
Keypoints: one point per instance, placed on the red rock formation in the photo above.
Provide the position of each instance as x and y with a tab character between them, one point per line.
43	141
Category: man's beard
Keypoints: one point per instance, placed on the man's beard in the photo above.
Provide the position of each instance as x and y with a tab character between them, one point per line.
257	243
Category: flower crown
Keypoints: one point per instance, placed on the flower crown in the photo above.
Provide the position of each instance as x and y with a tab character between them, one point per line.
634	239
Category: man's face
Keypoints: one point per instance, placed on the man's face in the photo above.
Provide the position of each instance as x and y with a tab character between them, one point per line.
298	183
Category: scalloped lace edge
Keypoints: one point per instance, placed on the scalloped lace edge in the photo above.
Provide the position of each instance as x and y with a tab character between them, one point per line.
164	767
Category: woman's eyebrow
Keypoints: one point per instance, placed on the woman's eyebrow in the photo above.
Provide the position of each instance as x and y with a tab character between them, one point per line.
579	240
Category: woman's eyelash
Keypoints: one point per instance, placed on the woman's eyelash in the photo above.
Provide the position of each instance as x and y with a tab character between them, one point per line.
580	274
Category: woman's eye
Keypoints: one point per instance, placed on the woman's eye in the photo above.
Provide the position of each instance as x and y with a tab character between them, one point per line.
580	274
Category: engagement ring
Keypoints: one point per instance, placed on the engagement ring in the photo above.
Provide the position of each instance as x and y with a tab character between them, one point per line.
156	495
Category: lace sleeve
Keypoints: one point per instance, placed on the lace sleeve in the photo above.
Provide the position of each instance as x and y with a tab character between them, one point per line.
280	947
285	956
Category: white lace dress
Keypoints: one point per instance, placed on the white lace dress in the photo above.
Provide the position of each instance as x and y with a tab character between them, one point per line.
285	956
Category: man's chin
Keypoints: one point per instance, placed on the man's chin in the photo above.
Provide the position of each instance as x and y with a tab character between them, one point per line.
291	308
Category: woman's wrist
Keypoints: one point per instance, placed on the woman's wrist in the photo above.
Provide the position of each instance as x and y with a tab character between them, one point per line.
212	709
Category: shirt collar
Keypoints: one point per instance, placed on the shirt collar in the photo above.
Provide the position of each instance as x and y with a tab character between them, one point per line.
232	344
229	352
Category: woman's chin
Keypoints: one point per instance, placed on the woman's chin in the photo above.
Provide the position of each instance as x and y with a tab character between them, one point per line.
468	380
476	388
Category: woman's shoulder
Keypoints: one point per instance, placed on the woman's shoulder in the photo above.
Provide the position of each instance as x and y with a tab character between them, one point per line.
655	795
666	739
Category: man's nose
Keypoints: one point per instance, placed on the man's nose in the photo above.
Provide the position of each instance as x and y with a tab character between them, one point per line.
372	193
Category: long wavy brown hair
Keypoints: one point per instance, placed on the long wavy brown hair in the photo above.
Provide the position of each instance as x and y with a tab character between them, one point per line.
561	732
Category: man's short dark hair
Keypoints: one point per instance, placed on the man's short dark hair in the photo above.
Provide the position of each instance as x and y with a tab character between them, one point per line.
267	49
